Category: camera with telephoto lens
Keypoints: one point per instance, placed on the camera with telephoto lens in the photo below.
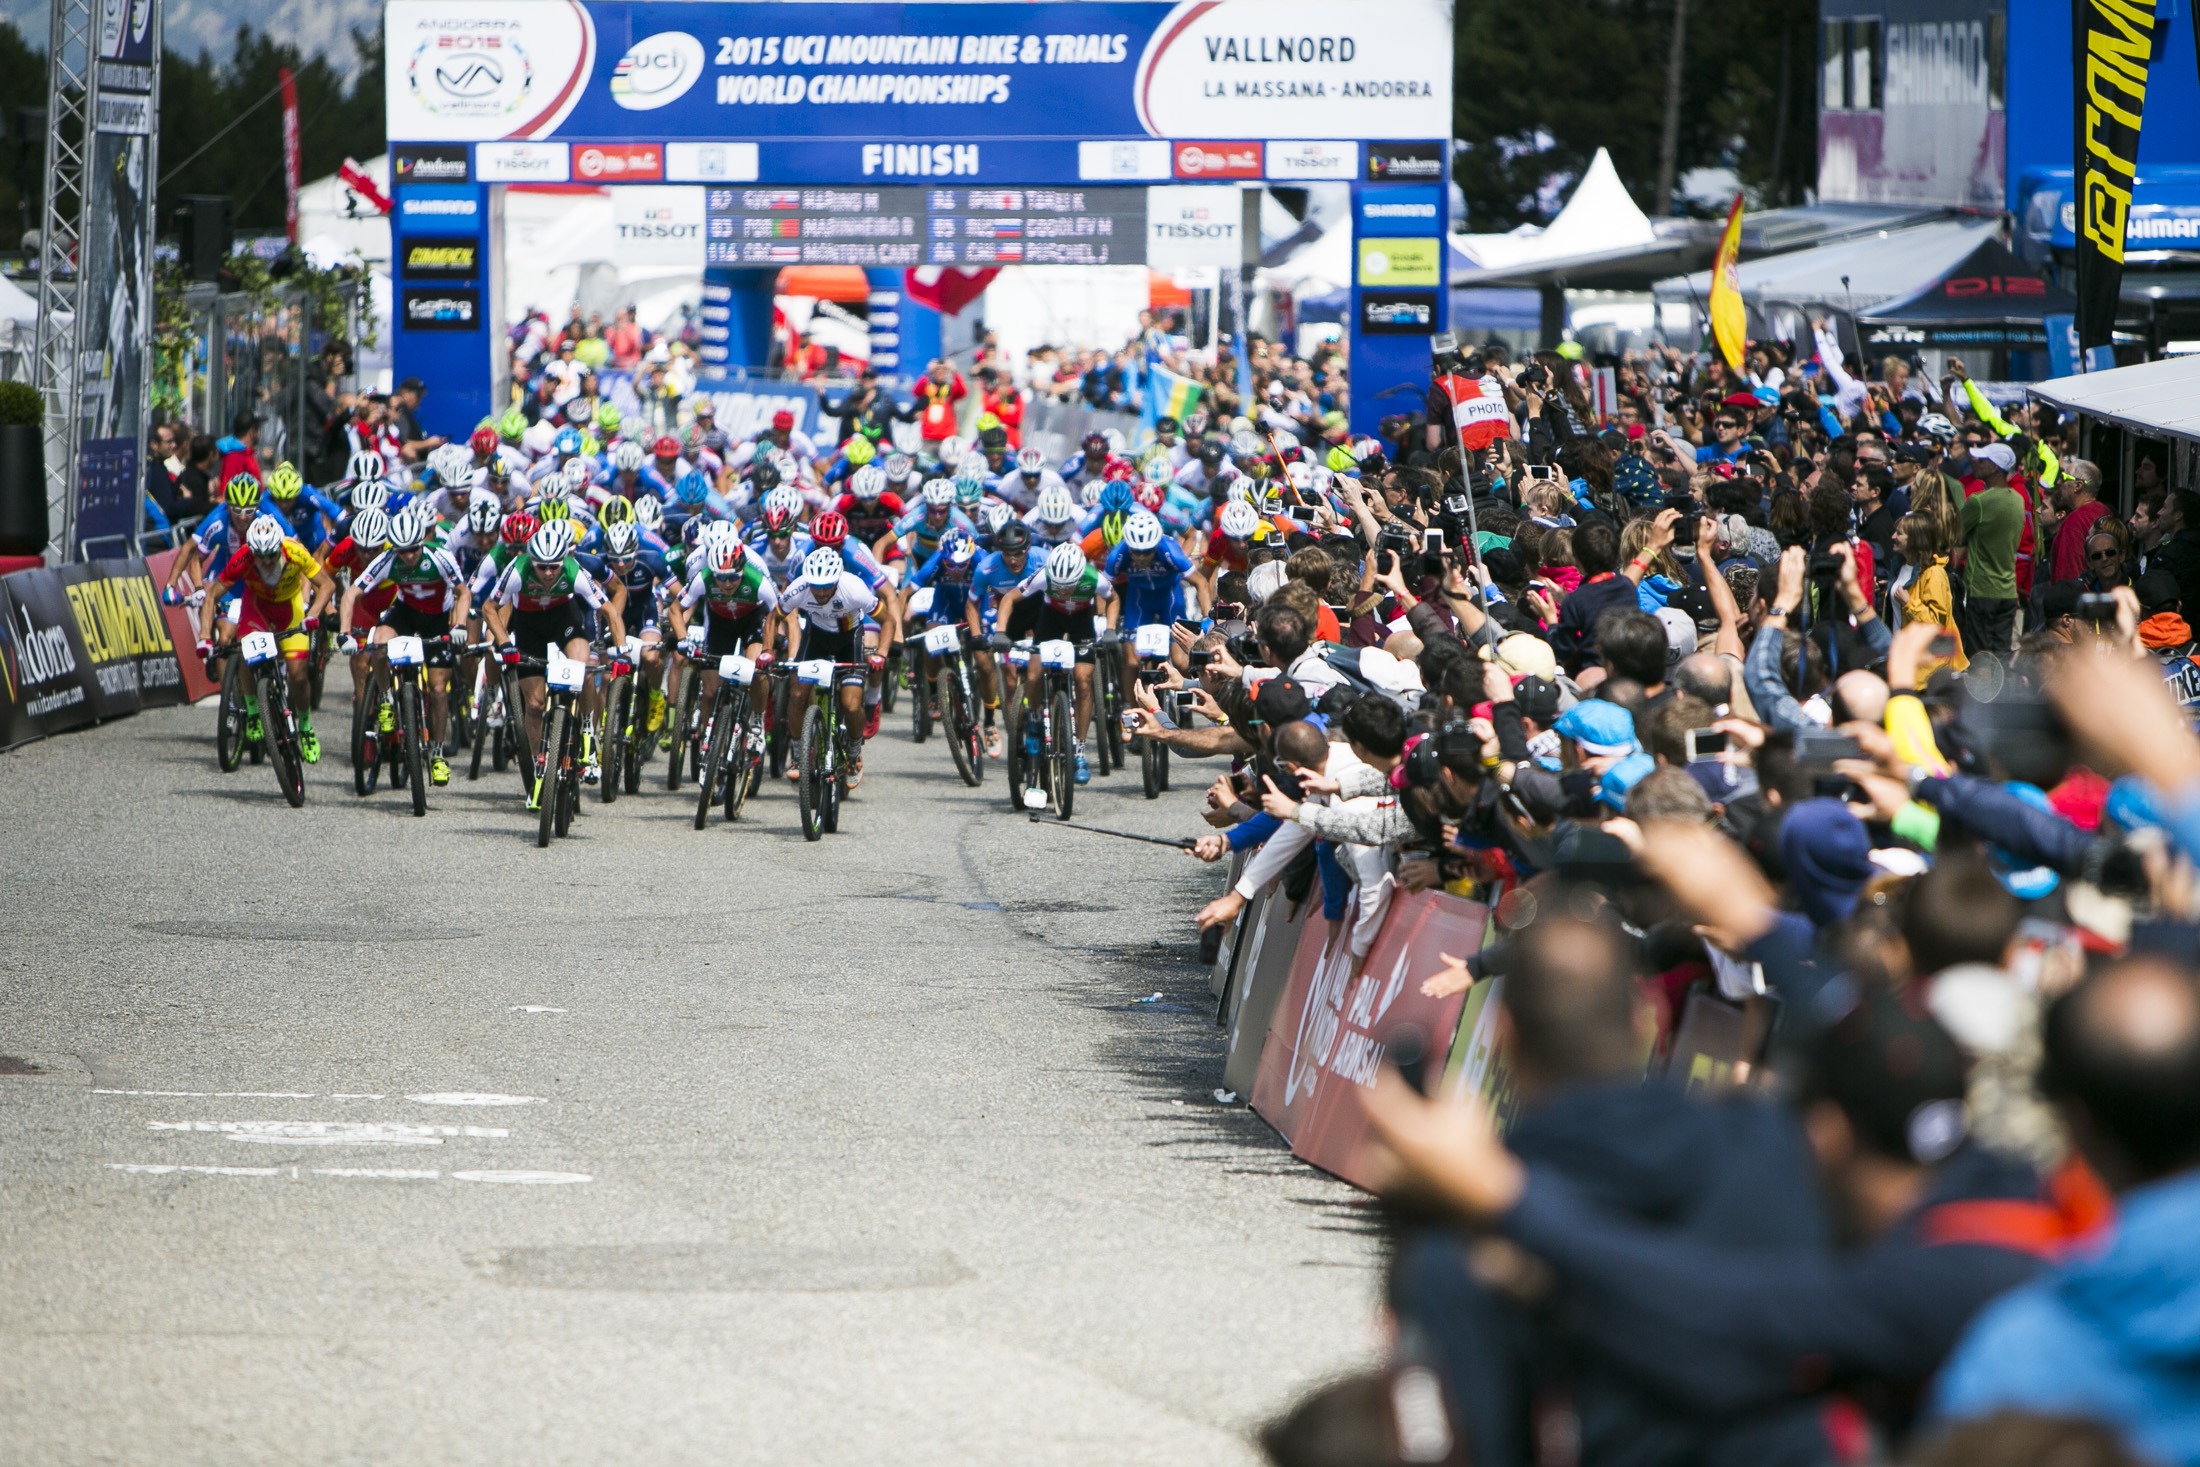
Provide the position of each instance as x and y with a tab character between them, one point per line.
1245	648
1455	515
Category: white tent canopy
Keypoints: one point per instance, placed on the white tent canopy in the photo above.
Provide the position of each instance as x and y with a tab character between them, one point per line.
16	303
1601	219
2159	399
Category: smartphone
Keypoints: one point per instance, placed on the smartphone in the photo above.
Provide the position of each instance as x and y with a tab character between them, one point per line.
1432	541
1184	706
1303	513
1839	787
1541	471
1820	747
1705	743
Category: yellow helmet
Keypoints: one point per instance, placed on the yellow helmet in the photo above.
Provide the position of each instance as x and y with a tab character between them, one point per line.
284	481
244	492
617	510
860	450
554	507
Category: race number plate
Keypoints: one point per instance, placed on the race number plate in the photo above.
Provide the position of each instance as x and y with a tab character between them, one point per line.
564	672
1019	654
260	647
920	605
817	672
407	652
1057	654
1152	639
940	641
735	668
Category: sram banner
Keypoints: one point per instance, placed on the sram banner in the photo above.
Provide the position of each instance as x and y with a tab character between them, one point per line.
494	70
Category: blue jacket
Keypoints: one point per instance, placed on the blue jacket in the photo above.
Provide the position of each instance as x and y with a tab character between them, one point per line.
2114	1334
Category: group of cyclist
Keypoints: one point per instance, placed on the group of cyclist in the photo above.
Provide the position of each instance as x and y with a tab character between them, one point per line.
566	534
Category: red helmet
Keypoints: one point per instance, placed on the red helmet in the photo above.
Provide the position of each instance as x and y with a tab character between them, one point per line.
1148	495
666	447
829	529
519	528
782	421
484	439
1120	468
778	518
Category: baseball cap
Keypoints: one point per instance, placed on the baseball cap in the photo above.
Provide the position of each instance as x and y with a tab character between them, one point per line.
1599	728
1721	782
1280	700
2060	599
1624	776
1680	633
1999	455
1897	1075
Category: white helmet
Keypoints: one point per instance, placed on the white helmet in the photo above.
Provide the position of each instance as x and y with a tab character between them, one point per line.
997	514
1239	492
483	513
265	537
370	528
1238	520
627	457
409	528
898	468
961	549
1142	531
1055	507
821	567
789	467
1030	460
1088	493
365	464
951	451
575	476
621	540
939	493
784	499
369	493
552	543
1066	565
649	512
1299	473
457	460
719	532
868	482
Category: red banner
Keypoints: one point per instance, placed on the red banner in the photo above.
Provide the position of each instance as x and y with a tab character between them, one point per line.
183	630
1337	1021
290	154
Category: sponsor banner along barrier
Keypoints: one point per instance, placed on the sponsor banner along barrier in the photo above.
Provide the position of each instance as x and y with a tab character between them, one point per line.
1262	974
81	643
1336	1021
183	631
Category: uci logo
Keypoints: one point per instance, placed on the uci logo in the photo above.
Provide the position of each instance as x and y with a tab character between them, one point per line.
657	71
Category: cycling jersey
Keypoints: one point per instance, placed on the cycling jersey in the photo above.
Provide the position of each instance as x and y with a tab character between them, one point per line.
429	584
521	589
843	611
736	596
295	566
1151	592
951	586
344	557
916	529
867	522
213	537
780	567
1228	553
1021	489
993	577
1044	534
1081	595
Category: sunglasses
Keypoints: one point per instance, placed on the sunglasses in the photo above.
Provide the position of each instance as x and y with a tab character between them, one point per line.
2104	555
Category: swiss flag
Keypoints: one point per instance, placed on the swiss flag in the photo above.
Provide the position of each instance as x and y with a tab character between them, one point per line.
1478	408
945	289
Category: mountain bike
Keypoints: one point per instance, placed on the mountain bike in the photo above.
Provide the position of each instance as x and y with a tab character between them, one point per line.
231	716
621	727
943	662
1152	649
822	754
409	659
1013	717
1107	700
489	718
558	770
684	734
733	742
263	659
1051	773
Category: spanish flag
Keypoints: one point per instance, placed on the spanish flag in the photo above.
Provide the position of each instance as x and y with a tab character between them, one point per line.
1729	318
1176	395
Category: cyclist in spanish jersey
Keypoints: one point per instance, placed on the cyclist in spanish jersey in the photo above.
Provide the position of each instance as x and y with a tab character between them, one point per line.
830	607
432	601
543	599
1070	591
740	608
871	510
272	573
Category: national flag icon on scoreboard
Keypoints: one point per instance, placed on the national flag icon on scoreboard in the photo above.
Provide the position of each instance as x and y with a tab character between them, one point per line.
786	198
783	254
787	228
1006	253
993	228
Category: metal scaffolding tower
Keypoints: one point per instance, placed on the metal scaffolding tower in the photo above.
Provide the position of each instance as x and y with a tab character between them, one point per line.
68	143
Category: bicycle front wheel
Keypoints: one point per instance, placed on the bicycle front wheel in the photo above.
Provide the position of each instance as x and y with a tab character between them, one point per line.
415	734
280	737
814	760
229	719
1062	752
614	739
962	733
740	764
546	791
713	767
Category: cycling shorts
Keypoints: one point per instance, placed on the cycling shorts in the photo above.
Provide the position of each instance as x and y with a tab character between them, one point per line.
1023	618
845	647
534	630
409	621
1066	626
724	635
286	619
1148	608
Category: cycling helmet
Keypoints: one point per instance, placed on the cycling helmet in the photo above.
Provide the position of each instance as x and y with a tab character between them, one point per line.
1088	493
1030	461
1120	468
497	471
409	528
1210	455
764	478
1299	474
1055	507
284	481
693	488
829	529
1009	533
591	446
1148	495
1096	442
265	537
1066	565
960	548
519	528
574	477
939	493
719	532
484	439
627	457
649	512
617	510
512	426
554	509
1111	528
821	567
785	465
366	464
1142	532
867	483
1115	497
621	540
898	468
244	492
778	520
568	441
691	530
726	554
552	543
860	450
608	418
451	463
483	514
579	410
951	451
369	494
1238	491
665	447
1157	469
1937	427
1342	460
785	502
1238	519
370	529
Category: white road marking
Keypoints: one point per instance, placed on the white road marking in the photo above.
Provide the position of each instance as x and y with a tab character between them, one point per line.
536	1008
387	1175
330	1133
212	1171
469	1097
220	1094
358	1097
531	1179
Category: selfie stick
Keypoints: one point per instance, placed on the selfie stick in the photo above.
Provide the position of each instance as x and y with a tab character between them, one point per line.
1151	840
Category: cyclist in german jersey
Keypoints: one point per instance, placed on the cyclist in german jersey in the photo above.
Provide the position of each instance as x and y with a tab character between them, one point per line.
272	572
432	601
1069	592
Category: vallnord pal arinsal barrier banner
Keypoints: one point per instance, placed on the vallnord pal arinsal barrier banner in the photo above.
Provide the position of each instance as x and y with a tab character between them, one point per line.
81	643
1331	1031
2113	41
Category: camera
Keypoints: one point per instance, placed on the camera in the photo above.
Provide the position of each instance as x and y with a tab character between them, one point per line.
1245	648
1533	377
1199	659
2097	607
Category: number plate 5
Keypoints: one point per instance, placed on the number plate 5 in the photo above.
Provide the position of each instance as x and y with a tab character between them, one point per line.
817	672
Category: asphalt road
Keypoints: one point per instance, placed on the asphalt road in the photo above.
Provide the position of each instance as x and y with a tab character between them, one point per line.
361	1138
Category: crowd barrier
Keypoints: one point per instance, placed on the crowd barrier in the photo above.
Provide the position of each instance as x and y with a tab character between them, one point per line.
83	643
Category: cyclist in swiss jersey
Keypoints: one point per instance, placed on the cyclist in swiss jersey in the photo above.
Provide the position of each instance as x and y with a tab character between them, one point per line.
431	601
272	573
543	599
1070	591
740	605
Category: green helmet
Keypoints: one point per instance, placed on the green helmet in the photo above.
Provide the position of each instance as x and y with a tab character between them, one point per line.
284	481
244	492
512	425
608	418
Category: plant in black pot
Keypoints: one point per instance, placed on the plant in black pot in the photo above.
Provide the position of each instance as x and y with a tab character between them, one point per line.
23	525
